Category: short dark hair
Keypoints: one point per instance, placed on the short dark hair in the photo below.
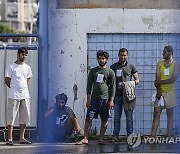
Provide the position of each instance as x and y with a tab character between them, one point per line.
123	50
102	53
169	49
62	96
22	50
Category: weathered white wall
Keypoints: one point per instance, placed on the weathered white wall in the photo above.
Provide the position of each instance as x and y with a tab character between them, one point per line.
68	30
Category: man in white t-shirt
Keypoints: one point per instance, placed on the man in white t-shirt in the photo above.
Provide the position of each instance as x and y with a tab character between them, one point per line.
17	78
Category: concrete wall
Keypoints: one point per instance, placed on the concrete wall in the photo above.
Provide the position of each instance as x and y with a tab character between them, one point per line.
130	4
67	30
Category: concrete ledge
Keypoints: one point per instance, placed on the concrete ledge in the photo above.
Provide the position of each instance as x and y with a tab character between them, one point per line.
128	4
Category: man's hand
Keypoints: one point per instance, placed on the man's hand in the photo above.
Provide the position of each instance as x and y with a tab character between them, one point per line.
156	83
78	129
111	104
120	85
7	81
88	103
158	95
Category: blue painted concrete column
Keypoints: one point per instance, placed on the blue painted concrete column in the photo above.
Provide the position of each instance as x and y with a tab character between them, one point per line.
43	63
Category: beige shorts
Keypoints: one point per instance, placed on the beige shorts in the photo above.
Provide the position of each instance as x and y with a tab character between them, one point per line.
169	100
15	105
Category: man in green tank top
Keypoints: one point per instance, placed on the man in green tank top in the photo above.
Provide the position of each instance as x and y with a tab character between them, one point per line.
167	72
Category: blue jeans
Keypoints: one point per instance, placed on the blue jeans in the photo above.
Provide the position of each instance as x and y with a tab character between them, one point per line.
118	106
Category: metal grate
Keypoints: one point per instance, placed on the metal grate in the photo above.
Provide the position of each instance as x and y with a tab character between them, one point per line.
145	50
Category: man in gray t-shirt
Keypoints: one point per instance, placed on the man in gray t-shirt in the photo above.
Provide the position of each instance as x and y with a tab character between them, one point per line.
124	72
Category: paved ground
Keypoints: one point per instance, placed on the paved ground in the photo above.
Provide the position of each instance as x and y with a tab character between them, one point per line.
92	147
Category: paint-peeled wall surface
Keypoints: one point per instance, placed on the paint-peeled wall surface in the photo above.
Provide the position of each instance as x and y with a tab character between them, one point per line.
67	60
69	52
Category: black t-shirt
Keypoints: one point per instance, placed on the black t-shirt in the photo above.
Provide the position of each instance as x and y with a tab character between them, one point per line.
123	73
57	123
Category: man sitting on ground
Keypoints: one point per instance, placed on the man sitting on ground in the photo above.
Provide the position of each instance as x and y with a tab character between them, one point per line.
60	120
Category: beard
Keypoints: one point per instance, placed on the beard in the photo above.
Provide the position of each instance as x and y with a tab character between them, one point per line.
21	59
102	64
60	107
122	60
166	57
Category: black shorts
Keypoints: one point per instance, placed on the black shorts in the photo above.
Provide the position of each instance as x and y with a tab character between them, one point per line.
98	107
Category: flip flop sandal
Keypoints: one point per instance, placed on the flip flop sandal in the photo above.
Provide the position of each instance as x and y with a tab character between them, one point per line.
114	140
26	142
81	143
9	143
101	142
